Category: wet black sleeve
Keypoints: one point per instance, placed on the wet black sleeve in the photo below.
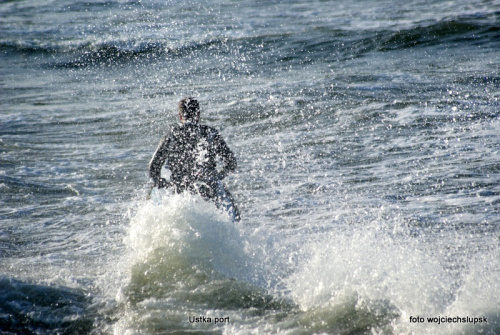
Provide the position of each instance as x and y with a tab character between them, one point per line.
225	154
158	159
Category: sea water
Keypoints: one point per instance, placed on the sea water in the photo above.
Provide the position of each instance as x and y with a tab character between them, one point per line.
367	140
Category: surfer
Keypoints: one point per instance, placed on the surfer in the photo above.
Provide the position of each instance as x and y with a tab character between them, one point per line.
191	151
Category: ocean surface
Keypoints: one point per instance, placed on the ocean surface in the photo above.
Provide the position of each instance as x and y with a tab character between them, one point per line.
367	135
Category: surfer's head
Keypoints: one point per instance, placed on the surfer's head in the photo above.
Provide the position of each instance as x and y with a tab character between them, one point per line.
189	110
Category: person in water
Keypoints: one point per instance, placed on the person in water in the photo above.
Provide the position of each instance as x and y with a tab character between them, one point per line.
191	151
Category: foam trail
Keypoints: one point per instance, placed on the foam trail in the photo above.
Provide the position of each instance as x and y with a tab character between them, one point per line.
186	225
381	280
186	258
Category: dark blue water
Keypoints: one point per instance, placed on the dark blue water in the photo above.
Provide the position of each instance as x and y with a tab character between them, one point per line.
367	139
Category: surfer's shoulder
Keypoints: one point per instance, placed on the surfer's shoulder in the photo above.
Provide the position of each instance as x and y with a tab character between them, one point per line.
210	132
174	129
209	129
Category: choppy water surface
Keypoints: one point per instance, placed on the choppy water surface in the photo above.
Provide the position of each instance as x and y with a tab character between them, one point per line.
367	137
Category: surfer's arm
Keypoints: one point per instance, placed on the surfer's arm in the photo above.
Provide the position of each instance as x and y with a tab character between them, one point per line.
227	156
158	160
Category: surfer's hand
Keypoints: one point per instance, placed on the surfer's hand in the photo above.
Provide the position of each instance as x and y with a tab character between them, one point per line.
162	182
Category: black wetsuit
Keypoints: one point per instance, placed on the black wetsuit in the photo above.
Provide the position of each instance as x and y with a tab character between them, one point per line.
191	151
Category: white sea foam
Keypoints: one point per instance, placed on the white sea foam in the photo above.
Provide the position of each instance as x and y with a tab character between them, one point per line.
189	226
392	276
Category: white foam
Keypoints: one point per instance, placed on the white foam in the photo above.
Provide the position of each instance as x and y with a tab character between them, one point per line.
189	226
375	266
382	273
